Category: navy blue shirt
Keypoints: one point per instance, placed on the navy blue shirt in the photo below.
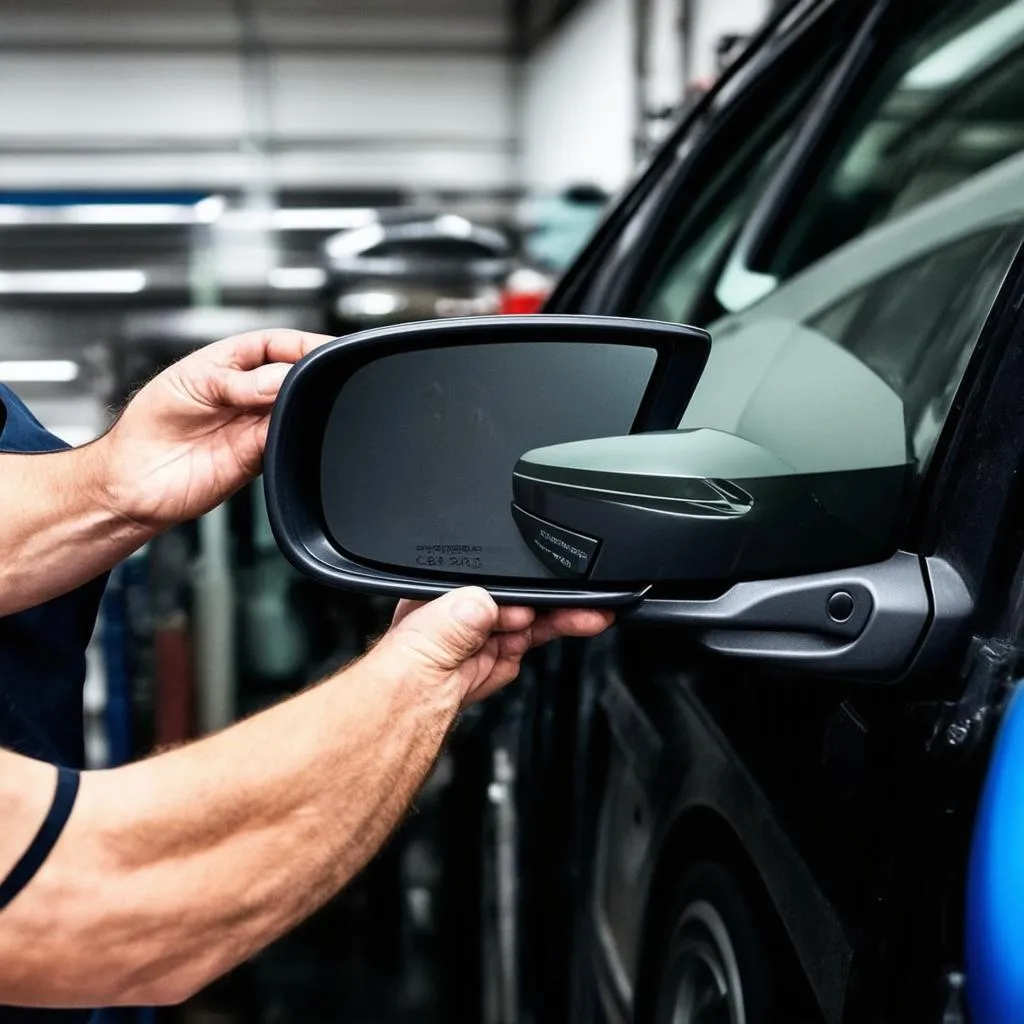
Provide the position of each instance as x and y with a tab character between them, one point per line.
42	666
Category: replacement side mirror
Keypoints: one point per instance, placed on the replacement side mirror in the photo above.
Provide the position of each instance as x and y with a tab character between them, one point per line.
389	466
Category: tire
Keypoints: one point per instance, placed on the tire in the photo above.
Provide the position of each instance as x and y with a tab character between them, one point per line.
713	961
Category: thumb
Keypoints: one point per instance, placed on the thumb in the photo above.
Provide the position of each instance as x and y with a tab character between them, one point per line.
249	389
445	633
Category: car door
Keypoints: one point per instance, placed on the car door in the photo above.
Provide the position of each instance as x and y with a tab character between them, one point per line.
869	251
717	158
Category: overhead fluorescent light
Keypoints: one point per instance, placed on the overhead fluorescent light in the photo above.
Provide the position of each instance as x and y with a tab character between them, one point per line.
205	211
71	282
297	278
42	371
126	213
210	209
13	214
298	219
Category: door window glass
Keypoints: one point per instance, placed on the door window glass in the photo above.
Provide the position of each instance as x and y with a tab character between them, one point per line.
847	347
740	164
916	327
947	105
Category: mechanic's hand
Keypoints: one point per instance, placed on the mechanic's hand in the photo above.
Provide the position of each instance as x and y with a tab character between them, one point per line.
196	432
466	640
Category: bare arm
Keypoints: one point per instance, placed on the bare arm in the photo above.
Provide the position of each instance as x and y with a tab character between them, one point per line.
187	441
58	528
174	870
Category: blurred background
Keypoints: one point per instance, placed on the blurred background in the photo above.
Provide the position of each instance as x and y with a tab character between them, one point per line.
176	172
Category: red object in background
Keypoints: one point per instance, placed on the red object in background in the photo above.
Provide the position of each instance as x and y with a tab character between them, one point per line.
526	291
175	682
521	302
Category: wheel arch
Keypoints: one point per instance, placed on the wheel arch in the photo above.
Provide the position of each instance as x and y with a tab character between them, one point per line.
699	833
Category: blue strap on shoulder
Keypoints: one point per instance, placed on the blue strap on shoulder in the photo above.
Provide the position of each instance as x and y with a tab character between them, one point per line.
995	887
46	838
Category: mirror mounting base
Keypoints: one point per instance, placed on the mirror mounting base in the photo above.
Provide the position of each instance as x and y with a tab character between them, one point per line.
873	621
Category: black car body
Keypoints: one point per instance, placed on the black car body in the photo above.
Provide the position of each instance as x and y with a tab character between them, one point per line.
857	176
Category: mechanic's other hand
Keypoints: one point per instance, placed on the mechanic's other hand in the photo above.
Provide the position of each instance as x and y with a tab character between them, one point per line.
196	432
466	640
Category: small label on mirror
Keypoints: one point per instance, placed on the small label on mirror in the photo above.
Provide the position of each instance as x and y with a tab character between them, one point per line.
450	556
564	552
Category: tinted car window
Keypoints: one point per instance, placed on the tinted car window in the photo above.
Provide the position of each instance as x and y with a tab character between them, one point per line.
845	350
915	327
710	218
679	292
948	104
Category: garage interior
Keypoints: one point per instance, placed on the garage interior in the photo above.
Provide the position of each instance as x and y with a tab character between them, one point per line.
173	173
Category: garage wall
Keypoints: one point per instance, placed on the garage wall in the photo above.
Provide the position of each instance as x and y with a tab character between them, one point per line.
335	92
666	77
578	113
715	18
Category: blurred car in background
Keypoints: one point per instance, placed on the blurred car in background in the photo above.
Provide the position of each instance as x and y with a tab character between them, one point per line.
430	267
414	269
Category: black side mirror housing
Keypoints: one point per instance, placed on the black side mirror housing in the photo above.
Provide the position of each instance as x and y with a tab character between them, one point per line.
694	506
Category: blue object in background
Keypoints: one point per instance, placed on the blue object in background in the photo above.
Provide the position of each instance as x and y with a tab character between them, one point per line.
995	888
57	197
118	717
561	225
114	640
123	1016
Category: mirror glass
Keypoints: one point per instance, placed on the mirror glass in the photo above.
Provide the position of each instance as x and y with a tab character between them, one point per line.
420	447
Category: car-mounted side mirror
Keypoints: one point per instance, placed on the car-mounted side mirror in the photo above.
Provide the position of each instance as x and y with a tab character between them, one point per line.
541	457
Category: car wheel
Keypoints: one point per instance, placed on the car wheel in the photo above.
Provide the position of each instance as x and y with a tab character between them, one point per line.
714	964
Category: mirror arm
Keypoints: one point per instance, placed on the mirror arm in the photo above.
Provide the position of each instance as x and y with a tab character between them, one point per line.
871	621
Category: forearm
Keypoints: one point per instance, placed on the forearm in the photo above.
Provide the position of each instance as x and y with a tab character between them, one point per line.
178	868
58	526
